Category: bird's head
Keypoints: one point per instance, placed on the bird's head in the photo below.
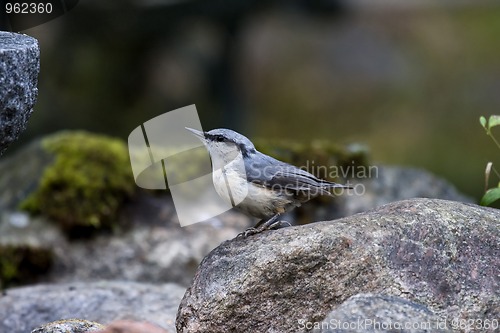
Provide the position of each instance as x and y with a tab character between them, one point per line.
224	145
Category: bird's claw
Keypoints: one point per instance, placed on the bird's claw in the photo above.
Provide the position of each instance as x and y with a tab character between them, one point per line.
273	226
248	232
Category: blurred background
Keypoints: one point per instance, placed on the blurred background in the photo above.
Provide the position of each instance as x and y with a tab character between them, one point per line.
408	79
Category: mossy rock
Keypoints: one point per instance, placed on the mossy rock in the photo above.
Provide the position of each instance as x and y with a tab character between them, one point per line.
85	184
22	264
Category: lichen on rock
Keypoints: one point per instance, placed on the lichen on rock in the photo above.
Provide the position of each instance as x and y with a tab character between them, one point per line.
85	184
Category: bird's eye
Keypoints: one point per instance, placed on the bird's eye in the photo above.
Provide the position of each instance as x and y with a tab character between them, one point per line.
219	138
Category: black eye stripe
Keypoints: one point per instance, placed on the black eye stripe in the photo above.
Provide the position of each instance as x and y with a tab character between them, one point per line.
218	138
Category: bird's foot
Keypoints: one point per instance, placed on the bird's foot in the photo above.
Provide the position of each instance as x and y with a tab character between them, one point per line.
274	225
248	232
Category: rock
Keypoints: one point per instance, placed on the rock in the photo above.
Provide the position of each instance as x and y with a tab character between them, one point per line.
78	179
69	326
369	313
84	186
44	175
23	309
19	67
26	248
442	254
129	326
155	251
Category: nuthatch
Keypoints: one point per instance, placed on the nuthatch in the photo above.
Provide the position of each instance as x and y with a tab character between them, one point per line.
265	186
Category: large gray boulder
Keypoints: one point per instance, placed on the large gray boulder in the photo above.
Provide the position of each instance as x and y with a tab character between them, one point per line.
19	67
442	254
24	309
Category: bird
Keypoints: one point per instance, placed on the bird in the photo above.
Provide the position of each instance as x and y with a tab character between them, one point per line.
256	184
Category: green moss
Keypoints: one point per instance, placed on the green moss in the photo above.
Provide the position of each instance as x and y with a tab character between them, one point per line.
87	182
22	264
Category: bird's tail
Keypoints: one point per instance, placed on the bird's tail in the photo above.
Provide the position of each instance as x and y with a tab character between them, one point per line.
326	186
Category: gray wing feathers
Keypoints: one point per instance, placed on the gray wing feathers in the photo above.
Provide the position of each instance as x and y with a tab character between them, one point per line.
267	171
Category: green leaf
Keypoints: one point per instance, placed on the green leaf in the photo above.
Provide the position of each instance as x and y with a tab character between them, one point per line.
493	121
482	120
487	172
492	195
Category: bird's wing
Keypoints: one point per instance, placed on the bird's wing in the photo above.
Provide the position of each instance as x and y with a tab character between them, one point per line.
272	173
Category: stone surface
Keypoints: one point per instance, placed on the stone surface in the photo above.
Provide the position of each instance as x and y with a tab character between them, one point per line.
156	251
23	309
369	313
69	326
129	326
19	67
442	254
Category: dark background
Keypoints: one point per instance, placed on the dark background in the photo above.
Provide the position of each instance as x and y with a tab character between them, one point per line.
409	80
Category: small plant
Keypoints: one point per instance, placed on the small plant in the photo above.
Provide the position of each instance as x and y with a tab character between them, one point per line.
493	194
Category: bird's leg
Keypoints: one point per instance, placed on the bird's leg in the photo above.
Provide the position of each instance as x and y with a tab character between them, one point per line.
258	224
278	225
270	224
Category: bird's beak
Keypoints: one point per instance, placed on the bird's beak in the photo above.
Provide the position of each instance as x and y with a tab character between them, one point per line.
197	133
